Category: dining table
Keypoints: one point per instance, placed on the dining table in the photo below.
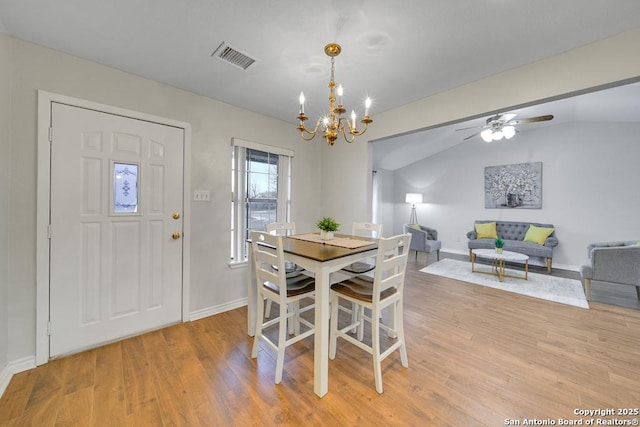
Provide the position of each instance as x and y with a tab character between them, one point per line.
322	258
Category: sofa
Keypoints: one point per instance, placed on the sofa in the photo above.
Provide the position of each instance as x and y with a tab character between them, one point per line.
615	262
529	238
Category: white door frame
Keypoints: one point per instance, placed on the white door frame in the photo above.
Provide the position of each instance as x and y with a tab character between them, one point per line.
45	99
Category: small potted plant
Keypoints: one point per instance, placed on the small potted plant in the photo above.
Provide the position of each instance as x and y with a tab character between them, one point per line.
327	226
499	245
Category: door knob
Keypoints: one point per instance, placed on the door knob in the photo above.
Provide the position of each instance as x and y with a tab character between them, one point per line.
176	215
175	236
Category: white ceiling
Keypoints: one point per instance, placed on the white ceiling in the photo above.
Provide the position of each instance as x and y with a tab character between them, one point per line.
617	104
394	51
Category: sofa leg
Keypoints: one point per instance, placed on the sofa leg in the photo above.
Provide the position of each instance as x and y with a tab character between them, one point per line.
587	288
470	255
638	291
438	257
549	265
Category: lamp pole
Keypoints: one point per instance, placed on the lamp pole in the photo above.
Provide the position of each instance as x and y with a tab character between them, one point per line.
414	218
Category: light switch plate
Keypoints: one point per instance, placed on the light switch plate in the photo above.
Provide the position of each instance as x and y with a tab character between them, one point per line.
201	195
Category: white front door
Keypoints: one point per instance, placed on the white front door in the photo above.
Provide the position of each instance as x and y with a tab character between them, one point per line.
116	225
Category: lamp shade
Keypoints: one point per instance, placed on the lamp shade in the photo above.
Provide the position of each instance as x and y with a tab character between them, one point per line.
413	198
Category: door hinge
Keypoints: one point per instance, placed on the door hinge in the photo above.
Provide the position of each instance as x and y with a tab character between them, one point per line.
50	134
49	328
49	231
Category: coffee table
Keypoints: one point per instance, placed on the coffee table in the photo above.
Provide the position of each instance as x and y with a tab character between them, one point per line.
498	260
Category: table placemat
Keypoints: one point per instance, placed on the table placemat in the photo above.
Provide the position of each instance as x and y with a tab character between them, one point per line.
344	242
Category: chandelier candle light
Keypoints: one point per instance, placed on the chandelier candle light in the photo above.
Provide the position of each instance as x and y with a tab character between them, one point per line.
334	124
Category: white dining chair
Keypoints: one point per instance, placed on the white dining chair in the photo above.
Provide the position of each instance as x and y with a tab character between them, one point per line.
364	229
292	270
285	229
385	289
273	285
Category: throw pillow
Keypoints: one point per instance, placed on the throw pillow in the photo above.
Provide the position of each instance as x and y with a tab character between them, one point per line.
486	230
416	226
537	234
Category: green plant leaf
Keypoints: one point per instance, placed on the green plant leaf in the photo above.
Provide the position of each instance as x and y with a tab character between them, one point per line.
327	224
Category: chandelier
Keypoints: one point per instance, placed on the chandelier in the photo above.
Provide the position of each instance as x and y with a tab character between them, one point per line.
333	123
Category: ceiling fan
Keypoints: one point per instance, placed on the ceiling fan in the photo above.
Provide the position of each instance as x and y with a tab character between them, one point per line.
503	126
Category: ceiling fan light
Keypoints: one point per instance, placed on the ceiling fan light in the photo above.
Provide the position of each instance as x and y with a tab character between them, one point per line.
509	131
486	135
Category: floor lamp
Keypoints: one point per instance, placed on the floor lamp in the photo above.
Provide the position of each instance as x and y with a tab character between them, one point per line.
413	198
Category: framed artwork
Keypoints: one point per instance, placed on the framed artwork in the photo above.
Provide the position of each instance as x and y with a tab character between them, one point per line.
517	186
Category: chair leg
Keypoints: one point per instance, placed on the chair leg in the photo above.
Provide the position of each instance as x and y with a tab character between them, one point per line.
438	254
638	291
258	334
282	338
361	325
294	322
549	265
354	315
587	288
333	326
400	333
391	319
267	311
375	345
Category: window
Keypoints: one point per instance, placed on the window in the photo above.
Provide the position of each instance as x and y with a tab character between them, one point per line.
125	188
261	191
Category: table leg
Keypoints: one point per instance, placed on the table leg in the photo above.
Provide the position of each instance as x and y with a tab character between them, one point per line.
252	296
321	336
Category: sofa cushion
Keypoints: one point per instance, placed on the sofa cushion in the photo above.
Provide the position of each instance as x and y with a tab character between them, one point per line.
537	234
486	230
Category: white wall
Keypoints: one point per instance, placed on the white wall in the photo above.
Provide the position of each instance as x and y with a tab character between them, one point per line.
5	159
589	189
387	201
214	123
346	168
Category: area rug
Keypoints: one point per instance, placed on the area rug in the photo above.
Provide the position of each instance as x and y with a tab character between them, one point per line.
543	286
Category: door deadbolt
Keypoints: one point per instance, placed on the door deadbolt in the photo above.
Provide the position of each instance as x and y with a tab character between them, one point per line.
176	215
175	236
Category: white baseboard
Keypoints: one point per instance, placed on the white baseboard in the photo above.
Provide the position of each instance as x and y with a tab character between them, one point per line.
15	367
210	311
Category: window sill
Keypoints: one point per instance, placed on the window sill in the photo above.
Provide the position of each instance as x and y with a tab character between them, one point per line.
242	264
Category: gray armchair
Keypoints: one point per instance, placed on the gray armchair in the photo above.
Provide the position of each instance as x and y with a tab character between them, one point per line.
612	262
423	239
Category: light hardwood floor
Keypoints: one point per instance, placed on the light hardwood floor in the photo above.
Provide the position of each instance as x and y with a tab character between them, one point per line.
477	357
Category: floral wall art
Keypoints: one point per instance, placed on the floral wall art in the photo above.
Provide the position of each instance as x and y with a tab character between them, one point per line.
517	186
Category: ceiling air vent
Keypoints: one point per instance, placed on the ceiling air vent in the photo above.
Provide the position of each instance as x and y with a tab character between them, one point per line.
230	55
